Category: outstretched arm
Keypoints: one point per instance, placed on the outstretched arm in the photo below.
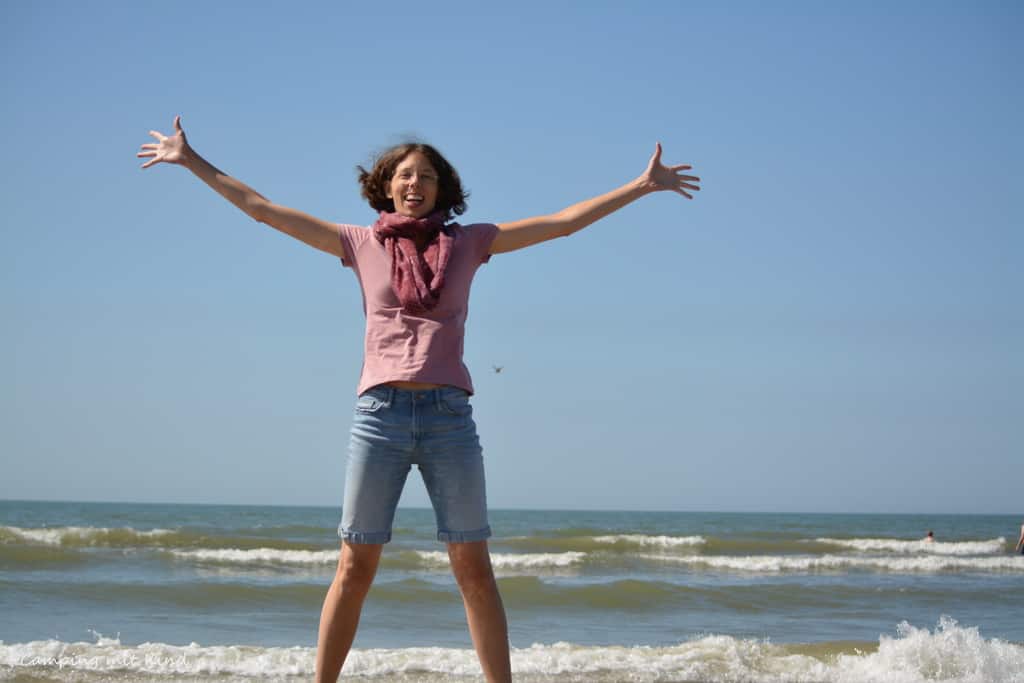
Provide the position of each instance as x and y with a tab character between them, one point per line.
656	178
309	229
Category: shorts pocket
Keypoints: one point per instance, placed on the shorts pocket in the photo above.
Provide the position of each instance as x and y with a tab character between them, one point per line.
456	403
368	403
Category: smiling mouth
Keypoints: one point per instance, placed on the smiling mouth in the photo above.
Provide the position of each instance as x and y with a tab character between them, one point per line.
413	200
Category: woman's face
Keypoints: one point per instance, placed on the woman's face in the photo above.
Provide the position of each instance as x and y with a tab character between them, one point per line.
413	187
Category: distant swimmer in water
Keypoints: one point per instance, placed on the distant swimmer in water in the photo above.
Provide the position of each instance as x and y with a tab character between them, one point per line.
929	537
1020	541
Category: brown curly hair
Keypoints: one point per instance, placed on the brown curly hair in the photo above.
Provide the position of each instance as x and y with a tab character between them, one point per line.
451	198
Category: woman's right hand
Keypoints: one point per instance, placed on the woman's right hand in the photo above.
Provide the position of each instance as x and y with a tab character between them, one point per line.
170	150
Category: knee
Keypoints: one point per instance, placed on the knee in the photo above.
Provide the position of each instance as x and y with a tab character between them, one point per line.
475	578
356	571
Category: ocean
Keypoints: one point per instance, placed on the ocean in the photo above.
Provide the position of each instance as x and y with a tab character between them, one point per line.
152	592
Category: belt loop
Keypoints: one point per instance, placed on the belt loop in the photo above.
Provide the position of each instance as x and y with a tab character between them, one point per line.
438	403
390	396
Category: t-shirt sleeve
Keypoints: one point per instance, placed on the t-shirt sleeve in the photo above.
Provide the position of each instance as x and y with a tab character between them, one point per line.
352	237
483	235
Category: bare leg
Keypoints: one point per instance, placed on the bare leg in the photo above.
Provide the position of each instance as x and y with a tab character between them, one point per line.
339	618
471	564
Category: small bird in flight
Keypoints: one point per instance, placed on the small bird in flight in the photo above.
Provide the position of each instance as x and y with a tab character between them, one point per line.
498	369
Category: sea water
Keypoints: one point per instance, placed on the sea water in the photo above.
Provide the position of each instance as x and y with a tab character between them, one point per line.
92	592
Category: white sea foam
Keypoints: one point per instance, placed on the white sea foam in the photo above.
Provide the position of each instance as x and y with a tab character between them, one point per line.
508	561
77	535
536	560
259	556
500	561
951	653
899	565
157	659
995	546
647	541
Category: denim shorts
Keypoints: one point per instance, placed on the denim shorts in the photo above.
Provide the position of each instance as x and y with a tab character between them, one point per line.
394	429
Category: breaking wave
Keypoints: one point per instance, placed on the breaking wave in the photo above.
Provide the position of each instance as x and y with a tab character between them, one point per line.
950	652
993	546
784	563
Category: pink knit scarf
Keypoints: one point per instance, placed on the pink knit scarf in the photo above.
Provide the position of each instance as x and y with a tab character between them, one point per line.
417	274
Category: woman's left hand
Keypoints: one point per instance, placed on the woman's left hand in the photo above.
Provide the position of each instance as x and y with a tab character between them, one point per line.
659	177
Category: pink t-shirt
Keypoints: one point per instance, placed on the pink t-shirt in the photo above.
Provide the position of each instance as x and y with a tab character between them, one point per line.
426	347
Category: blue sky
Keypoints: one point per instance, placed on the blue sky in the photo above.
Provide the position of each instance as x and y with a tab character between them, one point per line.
833	324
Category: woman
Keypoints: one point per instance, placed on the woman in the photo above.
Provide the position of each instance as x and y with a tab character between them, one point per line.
415	269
